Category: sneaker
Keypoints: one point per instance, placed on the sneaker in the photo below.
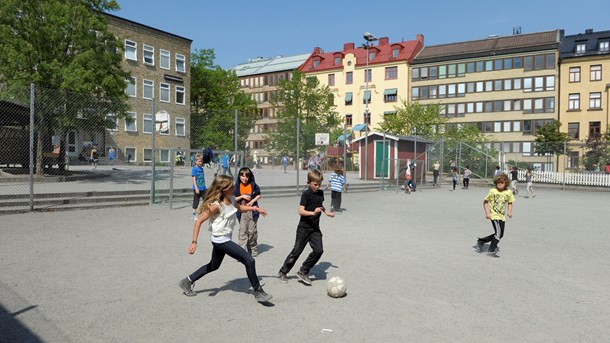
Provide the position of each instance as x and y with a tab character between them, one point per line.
304	278
262	296
480	245
494	253
282	277
194	217
187	287
254	253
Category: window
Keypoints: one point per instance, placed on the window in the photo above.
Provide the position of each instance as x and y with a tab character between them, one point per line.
498	85
337	61
130	155
499	64
573	157
389	95
180	63
574	74
527	128
550	61
489	65
180	95
538	84
164	89
414	93
348	120
596	73
508	84
348	98
113	122
349	78
480	66
130	89
470	67
368	75
395	53
148	89
506	126
451	71
367	97
595	101
131	124
391	73
498	126
581	48
517	83
461	71
423	73
442	91
331	79
147	155
432	93
131	50
594	129
180	127
550	83
604	46
574	102
415	74
451	90
371	55
367	118
508	63
147	123
316	63
164	156
164	58
461	89
574	130
528	63
549	105
527	84
149	55
442	72
539	62
517	62
480	85
516	126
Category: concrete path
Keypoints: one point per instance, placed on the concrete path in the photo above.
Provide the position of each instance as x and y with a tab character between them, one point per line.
110	275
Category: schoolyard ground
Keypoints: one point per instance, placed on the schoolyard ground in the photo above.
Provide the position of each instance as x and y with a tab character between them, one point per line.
109	275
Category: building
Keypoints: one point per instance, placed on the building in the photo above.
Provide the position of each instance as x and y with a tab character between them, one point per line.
259	78
159	64
584	68
506	86
345	73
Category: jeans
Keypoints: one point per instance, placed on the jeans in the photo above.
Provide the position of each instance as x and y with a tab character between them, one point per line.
304	236
232	249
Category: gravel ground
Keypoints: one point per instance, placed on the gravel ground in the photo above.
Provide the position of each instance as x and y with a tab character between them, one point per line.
413	276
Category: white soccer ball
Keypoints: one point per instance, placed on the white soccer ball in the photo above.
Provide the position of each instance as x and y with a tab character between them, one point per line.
336	287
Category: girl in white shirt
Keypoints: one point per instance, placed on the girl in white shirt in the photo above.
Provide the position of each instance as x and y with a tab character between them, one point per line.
219	207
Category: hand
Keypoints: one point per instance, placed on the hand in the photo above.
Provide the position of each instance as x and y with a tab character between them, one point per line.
262	211
330	214
250	203
488	215
192	248
509	214
318	210
196	190
246	197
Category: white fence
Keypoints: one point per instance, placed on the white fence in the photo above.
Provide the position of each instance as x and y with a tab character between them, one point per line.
568	178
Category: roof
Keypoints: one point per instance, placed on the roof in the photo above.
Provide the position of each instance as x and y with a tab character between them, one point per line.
269	65
146	26
394	137
491	46
567	47
383	54
13	114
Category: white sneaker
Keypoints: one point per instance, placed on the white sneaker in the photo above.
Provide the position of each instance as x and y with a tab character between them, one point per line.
194	217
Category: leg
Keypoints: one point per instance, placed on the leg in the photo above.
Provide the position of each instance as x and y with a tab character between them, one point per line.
315	242
232	249
498	226
214	264
243	231
333	201
299	244
338	201
252	235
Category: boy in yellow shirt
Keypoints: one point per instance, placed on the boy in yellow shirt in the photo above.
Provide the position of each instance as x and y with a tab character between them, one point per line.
497	204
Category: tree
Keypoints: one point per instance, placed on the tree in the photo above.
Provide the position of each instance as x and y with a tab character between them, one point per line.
549	140
598	150
414	118
215	95
302	98
64	47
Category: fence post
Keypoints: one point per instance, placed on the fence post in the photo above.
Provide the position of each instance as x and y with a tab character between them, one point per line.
152	157
563	183
32	99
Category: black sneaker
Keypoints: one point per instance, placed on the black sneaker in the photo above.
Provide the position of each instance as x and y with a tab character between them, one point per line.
494	253
304	278
262	296
187	287
282	277
480	245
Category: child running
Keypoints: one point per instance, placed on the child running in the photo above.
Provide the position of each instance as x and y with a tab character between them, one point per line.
199	188
497	203
308	229
247	193
528	178
336	183
219	207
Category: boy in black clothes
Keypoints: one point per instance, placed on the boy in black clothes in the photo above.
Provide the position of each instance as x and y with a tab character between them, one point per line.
308	229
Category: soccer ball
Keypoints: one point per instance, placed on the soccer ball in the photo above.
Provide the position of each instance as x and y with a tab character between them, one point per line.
336	287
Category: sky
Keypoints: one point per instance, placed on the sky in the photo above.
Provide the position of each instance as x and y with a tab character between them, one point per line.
240	30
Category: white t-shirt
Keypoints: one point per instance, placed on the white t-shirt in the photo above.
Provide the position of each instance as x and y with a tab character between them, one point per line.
223	223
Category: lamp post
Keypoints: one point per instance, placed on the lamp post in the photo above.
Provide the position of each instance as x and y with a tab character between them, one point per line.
368	37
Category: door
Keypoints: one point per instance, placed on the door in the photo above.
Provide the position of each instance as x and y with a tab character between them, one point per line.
380	163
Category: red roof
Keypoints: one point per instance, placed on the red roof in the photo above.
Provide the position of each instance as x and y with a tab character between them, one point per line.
383	49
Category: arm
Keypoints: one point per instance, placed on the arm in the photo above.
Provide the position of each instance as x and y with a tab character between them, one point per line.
306	213
486	208
245	208
202	218
509	213
195	185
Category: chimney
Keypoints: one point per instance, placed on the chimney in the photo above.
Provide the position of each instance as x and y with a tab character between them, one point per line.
317	50
348	46
383	41
420	38
588	31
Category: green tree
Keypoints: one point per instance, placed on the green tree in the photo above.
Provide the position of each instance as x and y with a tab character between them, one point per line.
215	95
413	118
598	150
302	98
64	47
550	141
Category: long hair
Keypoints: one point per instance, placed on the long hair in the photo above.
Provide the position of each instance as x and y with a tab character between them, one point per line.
221	184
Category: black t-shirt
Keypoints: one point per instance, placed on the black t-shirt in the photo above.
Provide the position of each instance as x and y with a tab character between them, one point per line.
514	175
311	200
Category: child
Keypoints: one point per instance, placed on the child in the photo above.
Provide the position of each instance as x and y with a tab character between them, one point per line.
497	203
528	178
336	183
466	179
497	171
198	183
308	229
514	173
247	193
220	207
454	177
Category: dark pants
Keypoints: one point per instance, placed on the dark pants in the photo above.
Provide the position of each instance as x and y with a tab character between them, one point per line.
197	197
304	236
454	181
335	200
498	226
234	250
435	174
466	182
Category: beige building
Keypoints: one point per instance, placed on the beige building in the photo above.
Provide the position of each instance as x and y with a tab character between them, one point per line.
159	64
259	78
584	69
506	86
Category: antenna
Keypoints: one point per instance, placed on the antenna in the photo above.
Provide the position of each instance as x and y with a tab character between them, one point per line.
516	30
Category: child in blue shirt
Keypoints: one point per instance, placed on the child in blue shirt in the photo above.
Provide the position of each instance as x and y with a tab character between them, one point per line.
199	188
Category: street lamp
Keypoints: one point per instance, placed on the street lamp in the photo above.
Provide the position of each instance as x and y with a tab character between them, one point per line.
369	38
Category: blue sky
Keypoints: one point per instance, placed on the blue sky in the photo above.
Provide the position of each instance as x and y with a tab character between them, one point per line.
238	30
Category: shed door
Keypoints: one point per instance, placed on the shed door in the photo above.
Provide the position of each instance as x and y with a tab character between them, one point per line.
379	163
